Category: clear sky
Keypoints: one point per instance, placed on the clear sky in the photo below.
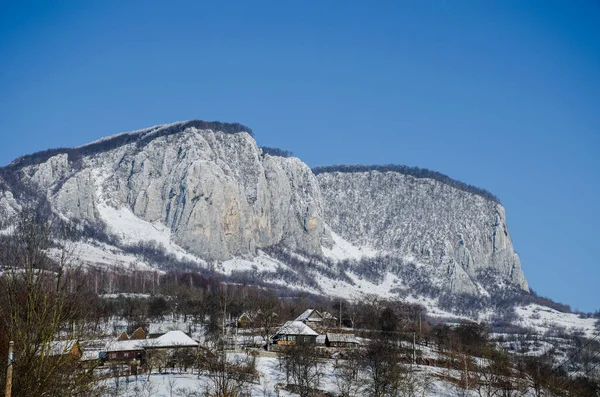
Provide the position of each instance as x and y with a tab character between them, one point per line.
504	95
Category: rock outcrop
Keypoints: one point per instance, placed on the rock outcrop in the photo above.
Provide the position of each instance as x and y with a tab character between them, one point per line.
216	191
459	234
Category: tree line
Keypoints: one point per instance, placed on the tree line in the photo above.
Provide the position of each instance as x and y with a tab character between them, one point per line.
415	172
141	140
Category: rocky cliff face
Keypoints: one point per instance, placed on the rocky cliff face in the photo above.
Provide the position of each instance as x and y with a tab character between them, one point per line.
215	191
457	233
208	189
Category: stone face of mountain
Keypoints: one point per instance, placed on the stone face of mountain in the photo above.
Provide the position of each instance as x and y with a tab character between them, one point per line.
458	234
215	191
212	191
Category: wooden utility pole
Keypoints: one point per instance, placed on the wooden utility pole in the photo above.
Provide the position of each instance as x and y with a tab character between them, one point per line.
414	348
9	369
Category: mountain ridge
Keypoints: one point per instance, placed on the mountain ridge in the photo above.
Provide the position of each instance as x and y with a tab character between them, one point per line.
218	196
120	139
416	172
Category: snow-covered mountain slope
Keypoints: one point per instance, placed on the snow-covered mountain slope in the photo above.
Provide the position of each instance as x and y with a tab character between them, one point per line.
458	235
215	192
207	195
544	320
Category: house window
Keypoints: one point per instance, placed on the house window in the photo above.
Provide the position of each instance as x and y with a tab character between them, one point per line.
126	355
291	337
113	355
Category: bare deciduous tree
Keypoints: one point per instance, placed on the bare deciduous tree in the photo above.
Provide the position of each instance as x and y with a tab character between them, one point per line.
303	368
229	378
43	309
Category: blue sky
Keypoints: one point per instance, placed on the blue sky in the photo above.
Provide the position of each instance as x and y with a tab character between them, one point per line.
504	95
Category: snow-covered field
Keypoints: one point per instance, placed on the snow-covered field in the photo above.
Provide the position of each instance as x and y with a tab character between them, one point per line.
543	319
268	384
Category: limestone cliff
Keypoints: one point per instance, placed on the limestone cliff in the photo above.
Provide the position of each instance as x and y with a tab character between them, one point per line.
457	233
216	192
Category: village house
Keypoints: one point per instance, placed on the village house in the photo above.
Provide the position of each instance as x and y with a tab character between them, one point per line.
293	332
245	320
311	317
128	350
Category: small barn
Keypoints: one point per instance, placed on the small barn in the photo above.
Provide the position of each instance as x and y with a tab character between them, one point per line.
293	332
340	340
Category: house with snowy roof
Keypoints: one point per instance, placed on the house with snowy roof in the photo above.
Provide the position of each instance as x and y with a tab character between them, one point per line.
311	317
294	332
125	350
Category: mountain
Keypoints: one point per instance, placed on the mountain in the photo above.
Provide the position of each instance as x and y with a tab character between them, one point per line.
207	195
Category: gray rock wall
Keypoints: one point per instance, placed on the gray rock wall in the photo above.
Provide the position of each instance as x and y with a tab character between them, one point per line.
455	232
216	192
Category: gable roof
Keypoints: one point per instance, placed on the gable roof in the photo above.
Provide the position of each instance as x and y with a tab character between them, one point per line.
174	338
296	328
170	339
310	315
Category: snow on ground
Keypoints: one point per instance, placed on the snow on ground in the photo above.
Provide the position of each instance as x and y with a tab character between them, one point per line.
88	253
262	262
360	288
270	377
343	249
125	295
433	309
106	255
543	319
132	230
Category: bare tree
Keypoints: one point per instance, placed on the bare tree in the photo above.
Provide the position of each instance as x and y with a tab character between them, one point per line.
229	378
43	308
348	374
303	368
266	317
384	371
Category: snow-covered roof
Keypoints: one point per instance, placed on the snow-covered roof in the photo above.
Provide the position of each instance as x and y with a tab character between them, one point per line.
60	347
126	345
170	339
296	328
346	338
174	338
308	315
